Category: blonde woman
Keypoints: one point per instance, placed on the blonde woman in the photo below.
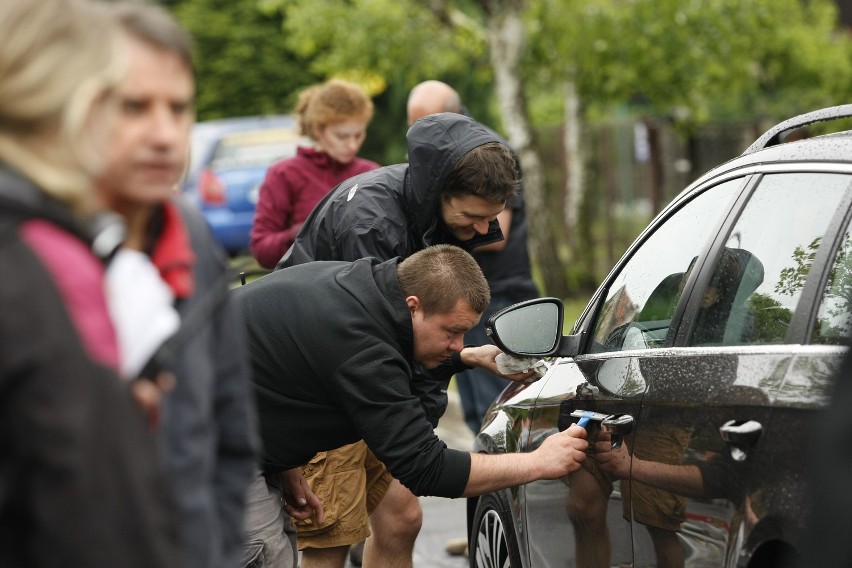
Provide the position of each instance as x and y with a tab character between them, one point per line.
79	480
334	115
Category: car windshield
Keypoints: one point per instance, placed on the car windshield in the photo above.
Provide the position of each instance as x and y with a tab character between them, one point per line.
253	148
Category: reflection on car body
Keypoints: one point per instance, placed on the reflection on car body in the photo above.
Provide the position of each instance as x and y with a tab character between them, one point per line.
719	333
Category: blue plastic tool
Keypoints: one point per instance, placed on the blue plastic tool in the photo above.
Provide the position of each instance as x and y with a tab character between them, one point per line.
586	417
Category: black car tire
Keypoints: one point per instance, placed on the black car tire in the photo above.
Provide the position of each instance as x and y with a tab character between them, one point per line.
493	544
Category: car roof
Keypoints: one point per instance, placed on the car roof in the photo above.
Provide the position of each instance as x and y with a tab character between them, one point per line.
836	147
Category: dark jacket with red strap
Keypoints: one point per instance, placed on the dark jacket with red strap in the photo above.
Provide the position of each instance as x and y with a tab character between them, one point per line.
80	483
209	427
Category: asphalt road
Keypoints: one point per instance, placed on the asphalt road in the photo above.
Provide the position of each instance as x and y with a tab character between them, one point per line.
444	519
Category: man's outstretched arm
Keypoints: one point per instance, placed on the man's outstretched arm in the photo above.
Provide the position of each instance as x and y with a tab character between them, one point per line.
559	455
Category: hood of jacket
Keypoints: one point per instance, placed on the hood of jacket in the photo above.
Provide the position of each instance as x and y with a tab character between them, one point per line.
435	144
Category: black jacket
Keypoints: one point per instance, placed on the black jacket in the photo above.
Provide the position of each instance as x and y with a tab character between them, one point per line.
395	210
340	371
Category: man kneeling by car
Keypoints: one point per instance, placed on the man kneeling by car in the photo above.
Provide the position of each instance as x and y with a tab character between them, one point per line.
333	345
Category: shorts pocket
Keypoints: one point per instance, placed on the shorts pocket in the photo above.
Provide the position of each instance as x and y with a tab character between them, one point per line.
252	554
320	481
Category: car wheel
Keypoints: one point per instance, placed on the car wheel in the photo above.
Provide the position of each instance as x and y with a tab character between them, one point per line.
493	544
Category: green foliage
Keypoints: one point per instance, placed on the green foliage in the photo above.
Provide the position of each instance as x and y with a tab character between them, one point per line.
375	41
792	278
692	60
835	317
695	60
243	63
771	319
832	325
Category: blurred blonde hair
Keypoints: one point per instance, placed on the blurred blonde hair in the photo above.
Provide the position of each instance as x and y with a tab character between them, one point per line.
332	102
58	63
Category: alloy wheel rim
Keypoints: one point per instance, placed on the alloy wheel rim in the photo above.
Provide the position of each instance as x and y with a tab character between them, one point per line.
491	548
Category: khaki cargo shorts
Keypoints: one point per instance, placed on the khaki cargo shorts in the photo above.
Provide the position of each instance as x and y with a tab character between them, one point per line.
652	506
648	505
350	482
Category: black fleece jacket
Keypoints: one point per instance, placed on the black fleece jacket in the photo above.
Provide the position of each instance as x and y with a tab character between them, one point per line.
341	371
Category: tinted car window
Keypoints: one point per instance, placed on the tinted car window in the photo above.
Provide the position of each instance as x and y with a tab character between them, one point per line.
760	273
834	320
639	304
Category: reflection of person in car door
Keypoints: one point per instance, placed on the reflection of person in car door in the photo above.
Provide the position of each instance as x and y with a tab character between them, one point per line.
654	478
724	316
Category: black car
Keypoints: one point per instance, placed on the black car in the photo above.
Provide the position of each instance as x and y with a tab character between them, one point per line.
697	368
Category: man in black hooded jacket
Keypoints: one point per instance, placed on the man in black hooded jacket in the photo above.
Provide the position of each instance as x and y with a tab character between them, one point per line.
459	178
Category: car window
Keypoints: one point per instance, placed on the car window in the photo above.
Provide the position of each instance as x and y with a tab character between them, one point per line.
834	320
254	148
640	300
759	275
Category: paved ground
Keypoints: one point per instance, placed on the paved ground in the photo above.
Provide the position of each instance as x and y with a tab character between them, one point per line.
444	519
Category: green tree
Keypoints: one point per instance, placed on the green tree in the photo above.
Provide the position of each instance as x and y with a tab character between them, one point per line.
696	60
834	319
243	63
771	319
531	62
792	279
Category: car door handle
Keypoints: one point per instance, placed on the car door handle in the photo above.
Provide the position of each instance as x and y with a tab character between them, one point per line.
616	425
741	436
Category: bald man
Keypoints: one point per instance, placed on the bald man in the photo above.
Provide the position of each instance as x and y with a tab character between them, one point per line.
431	97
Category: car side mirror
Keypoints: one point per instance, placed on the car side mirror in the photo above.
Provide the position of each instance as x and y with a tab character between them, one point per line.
528	329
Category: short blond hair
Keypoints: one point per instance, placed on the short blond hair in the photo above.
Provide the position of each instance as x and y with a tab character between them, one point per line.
58	60
332	102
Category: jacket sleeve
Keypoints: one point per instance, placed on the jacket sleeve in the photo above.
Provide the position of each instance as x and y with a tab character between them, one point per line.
272	232
432	391
213	431
374	390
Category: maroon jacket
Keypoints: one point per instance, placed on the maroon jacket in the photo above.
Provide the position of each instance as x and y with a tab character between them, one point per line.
292	188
